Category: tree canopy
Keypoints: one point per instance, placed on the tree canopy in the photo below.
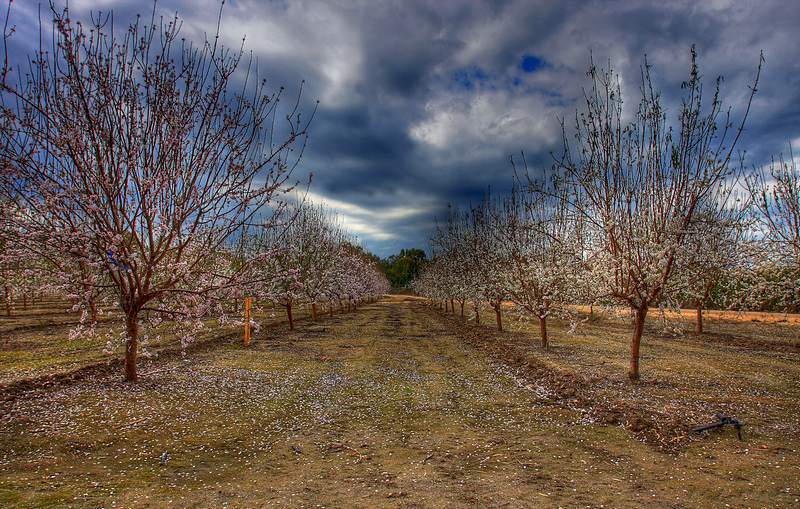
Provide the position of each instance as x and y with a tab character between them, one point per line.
402	268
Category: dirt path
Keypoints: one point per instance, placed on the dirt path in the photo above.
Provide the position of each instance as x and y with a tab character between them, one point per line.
385	407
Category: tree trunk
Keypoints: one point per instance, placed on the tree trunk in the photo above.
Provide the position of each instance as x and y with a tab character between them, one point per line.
477	312
543	330
235	305
289	313
462	309
131	346
699	316
499	322
330	305
8	302
638	330
314	311
453	306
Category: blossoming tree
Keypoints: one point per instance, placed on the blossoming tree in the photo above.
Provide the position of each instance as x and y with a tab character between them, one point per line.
640	186
129	158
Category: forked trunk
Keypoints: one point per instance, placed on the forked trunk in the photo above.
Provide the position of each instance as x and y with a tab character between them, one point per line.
131	346
543	330
638	330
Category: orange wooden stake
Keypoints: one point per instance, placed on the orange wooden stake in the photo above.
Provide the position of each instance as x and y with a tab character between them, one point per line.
247	322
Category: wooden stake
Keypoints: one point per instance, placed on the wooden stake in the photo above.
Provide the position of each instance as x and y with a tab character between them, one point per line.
247	322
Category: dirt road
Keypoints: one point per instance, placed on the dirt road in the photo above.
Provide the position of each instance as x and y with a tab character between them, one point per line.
385	407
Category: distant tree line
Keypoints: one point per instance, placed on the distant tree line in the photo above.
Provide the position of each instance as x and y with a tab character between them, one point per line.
401	269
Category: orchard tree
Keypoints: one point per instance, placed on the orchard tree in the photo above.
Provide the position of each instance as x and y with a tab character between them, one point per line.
133	155
542	237
306	257
491	257
719	253
302	249
775	195
639	186
357	277
456	272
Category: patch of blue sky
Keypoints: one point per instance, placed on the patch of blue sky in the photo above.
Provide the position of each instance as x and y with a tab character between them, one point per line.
475	78
531	63
472	77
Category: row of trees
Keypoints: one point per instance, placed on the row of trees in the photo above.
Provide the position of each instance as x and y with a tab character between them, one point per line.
141	172
643	214
308	258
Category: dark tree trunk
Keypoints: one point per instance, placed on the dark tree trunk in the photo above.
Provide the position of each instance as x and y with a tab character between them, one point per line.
289	313
462	309
314	311
131	346
543	330
499	322
477	312
636	340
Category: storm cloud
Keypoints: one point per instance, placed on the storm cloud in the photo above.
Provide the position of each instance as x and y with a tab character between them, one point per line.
422	103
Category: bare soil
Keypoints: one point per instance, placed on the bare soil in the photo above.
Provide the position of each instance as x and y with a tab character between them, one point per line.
399	406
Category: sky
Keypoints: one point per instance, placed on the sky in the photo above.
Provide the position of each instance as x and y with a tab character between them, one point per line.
421	104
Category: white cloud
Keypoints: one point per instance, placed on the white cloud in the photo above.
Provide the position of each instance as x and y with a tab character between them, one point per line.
380	220
486	124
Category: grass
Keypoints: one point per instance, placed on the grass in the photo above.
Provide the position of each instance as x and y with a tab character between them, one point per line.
35	341
388	407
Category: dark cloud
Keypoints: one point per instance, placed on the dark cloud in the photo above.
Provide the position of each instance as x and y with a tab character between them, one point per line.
422	103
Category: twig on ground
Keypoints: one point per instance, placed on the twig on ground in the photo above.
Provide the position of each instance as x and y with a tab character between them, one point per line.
338	446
